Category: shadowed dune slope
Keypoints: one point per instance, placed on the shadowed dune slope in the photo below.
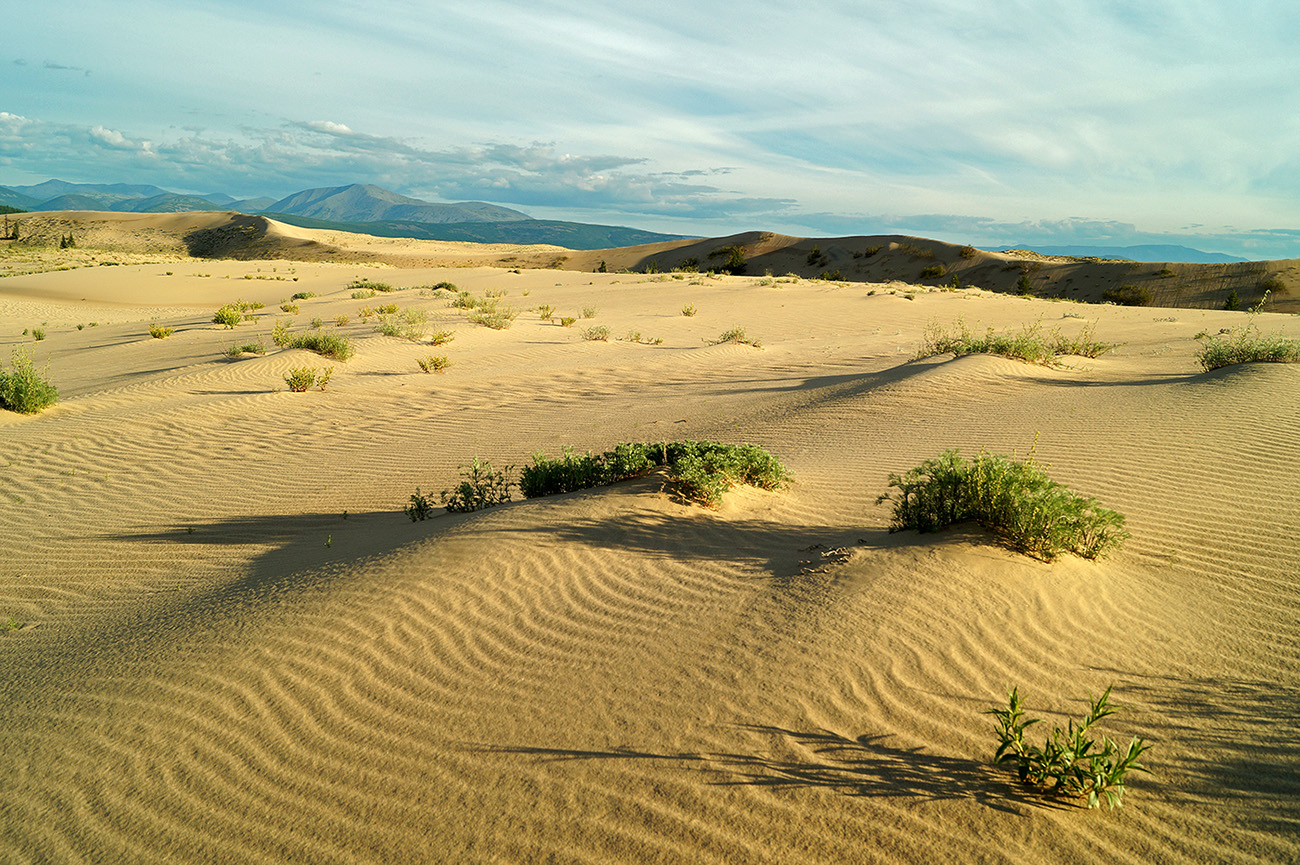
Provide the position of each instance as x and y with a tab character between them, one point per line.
228	643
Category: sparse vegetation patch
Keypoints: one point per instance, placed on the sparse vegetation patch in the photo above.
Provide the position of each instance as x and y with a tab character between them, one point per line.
1245	345
1031	343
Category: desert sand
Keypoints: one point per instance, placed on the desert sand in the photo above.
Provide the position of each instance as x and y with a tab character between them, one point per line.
228	644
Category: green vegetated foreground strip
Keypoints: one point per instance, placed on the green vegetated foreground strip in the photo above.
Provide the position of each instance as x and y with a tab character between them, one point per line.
1031	343
1016	501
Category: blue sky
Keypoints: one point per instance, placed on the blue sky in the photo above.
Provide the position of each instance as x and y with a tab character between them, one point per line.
1089	121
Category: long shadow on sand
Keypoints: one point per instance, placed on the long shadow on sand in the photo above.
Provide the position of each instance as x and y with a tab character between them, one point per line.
861	766
1228	738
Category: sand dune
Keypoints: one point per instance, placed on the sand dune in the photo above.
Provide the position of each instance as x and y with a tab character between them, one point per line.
135	238
233	646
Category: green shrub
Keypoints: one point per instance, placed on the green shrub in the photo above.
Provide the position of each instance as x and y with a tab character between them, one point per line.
545	312
38	334
596	333
363	294
442	336
411	324
291	308
387	309
1245	345
567	321
480	487
967	252
1068	764
157	331
736	335
589	312
699	471
1233	302
237	350
420	506
341	319
934	271
300	378
23	388
689	310
1024	287
303	295
1031	344
1015	501
433	362
1127	295
230	315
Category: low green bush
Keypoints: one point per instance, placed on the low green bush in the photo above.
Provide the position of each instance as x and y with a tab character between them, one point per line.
480	487
157	331
1245	345
229	315
238	350
700	471
1068	763
934	271
1031	343
433	362
596	333
331	345
1015	501
441	337
420	506
688	310
23	388
301	378
303	295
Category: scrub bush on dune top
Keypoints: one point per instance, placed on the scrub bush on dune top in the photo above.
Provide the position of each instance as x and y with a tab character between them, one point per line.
1016	501
700	471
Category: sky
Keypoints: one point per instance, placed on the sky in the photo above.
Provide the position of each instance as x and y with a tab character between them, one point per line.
1103	122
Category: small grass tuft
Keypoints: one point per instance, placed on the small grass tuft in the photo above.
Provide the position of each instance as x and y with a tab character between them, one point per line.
596	333
157	331
689	310
433	362
736	335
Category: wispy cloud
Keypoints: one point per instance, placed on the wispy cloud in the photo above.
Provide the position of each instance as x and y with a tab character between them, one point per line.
1124	113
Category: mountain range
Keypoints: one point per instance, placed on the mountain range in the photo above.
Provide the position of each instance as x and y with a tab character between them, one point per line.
362	208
